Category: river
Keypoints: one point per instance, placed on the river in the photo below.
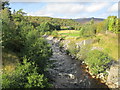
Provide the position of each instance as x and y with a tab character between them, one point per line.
68	72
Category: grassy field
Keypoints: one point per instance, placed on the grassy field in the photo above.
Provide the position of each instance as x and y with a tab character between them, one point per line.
69	33
108	42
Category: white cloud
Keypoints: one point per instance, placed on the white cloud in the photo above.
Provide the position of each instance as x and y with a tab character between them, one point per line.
113	8
40	13
56	8
96	6
69	9
64	8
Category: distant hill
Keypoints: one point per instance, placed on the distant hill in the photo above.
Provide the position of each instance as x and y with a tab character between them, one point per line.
85	20
59	21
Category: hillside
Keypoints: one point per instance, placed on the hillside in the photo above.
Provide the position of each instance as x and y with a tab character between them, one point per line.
62	22
85	20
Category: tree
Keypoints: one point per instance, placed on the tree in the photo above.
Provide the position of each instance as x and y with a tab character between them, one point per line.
18	16
101	27
5	4
46	26
92	21
37	49
113	23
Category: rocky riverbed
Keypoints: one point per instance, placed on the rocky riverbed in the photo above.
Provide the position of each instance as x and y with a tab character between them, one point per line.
68	72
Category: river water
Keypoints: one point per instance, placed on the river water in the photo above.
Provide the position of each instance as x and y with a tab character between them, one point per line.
69	73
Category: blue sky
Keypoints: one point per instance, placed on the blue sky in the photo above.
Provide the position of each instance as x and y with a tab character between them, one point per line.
68	10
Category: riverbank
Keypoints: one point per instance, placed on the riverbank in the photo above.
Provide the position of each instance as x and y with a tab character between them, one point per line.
99	77
68	72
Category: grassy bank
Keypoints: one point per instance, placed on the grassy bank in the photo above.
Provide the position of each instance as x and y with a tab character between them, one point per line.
108	42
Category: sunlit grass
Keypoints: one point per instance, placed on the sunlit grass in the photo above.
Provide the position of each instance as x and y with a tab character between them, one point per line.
10	60
109	42
69	33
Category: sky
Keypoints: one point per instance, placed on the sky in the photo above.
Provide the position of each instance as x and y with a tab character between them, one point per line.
71	10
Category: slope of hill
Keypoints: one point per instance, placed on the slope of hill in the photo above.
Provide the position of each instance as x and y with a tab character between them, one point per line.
85	20
62	22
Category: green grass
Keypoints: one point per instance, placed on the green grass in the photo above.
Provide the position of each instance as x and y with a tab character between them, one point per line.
108	42
69	33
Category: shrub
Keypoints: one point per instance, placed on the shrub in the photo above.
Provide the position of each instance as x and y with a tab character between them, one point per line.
82	54
97	61
37	49
55	33
46	27
88	30
48	33
24	76
72	48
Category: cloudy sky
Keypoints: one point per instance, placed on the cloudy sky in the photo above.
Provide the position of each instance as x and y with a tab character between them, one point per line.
68	9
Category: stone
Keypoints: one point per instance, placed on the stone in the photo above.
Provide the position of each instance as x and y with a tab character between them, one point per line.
71	76
112	78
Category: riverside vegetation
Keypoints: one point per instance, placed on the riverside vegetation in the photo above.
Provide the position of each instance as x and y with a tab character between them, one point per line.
26	53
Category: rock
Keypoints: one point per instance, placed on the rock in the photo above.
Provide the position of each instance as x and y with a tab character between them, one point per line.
101	75
60	74
84	42
71	76
96	48
49	38
112	79
63	75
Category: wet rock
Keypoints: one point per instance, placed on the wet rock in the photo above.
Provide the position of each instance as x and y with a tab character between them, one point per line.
60	74
71	76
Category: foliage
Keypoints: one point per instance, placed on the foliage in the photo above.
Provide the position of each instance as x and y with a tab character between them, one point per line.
25	76
54	33
72	48
9	32
88	30
77	27
101	27
108	43
47	33
59	22
37	49
82	53
56	26
19	15
112	23
5	4
21	37
47	27
97	61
